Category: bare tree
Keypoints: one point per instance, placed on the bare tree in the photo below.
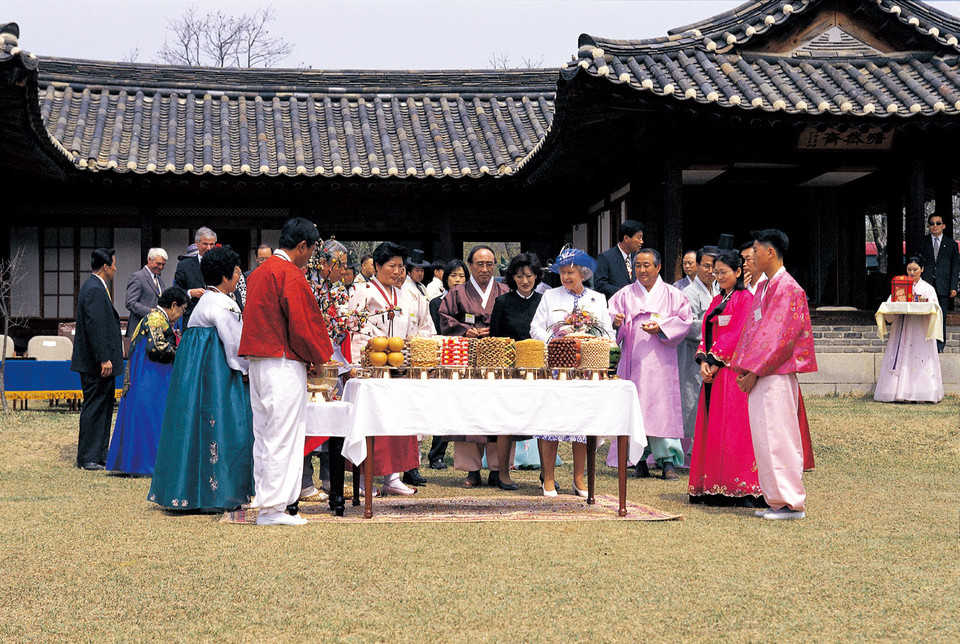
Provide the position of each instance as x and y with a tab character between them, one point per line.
131	55
222	40
499	61
11	273
502	61
530	63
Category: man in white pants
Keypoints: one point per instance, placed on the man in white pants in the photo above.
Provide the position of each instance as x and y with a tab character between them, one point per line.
284	336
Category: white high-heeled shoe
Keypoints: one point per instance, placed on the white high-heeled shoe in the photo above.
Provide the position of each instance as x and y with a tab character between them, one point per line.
579	492
398	488
547	492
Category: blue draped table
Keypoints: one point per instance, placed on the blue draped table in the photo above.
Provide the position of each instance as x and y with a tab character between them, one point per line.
45	380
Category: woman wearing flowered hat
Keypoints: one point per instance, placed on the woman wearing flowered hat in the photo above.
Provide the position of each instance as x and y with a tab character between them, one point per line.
569	308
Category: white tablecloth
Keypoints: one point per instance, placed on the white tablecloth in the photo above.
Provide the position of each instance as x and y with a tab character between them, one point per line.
404	407
887	310
329	418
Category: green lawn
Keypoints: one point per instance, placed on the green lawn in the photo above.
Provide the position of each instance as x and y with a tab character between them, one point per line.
85	557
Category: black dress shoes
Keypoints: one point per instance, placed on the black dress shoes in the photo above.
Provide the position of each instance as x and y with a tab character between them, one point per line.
438	465
413	477
643	472
494	479
670	472
337	504
91	466
473	479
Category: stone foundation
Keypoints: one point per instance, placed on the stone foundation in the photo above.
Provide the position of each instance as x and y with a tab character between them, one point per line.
861	338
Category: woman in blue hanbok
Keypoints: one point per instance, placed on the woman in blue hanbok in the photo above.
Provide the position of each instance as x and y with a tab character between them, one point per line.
133	448
205	459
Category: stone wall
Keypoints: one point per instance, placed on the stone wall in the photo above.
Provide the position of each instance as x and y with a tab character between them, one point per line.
860	338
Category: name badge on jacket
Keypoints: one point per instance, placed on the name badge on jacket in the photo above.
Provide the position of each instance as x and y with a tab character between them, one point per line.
723	320
469	318
757	315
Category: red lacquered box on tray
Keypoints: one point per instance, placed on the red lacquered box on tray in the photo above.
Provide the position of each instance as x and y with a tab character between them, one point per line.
901	289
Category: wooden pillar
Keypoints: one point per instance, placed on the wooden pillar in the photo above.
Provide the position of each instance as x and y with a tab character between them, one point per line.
149	233
643	202
894	228
672	213
913	201
442	246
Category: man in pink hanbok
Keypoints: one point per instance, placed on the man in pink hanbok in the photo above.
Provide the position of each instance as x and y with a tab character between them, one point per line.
776	345
652	318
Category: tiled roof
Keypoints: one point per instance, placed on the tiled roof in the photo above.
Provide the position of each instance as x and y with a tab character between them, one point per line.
161	119
20	121
710	63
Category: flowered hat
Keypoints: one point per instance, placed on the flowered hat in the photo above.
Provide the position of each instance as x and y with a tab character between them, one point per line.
572	257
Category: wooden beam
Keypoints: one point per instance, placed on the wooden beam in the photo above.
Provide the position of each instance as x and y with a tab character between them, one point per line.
943	193
672	212
894	226
914	201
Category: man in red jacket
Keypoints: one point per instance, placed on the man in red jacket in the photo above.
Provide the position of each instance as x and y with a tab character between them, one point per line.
283	335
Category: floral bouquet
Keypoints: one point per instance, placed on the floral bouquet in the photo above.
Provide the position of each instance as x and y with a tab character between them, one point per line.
577	321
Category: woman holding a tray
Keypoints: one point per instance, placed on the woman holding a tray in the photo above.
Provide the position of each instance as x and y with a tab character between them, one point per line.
568	308
911	367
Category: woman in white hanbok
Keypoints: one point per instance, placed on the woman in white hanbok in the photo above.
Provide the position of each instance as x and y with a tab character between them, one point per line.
911	365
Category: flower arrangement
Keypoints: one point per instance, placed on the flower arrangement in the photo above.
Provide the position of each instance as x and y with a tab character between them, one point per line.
577	321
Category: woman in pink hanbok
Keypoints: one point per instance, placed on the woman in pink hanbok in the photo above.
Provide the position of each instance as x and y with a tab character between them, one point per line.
911	366
723	470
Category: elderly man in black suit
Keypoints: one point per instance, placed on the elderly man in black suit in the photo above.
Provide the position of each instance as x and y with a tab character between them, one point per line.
188	275
615	266
98	357
144	288
942	270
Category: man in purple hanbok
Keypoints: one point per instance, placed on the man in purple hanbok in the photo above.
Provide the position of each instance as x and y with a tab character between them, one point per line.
652	318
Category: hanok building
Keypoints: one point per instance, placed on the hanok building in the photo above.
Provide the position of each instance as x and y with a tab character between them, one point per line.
803	115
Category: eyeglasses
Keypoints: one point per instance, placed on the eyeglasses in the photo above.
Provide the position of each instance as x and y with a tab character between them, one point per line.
935	223
483	264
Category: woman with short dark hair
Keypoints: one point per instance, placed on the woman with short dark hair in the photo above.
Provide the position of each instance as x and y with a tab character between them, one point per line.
146	381
205	457
391	311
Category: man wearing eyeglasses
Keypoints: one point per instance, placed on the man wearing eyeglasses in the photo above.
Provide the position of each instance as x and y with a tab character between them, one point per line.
941	266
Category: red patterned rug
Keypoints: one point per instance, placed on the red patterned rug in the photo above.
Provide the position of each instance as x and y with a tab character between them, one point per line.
473	509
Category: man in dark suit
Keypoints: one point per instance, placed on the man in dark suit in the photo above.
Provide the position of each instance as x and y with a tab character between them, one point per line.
941	266
144	288
188	275
615	266
98	357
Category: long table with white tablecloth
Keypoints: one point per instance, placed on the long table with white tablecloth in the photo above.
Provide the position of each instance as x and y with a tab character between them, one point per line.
403	407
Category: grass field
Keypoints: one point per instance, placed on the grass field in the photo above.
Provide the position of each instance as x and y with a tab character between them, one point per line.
83	556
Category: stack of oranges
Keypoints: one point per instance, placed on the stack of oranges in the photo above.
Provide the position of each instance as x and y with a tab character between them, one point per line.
384	351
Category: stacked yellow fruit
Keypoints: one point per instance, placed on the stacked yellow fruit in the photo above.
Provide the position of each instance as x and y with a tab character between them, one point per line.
529	354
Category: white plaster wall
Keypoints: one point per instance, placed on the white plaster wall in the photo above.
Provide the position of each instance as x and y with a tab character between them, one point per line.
126	241
26	294
580	236
175	242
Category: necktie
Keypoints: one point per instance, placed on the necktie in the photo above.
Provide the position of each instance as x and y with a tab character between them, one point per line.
626	260
156	283
936	248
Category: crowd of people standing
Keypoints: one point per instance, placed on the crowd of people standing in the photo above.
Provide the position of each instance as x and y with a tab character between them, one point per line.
213	406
